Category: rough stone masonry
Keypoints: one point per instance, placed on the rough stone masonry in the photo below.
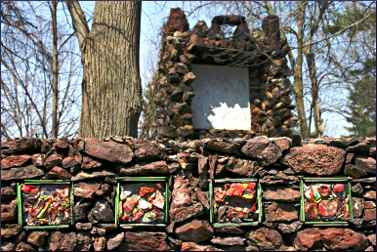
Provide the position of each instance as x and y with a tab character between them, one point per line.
92	166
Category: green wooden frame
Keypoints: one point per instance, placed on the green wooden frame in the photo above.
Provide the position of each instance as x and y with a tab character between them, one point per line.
345	180
234	180
142	179
20	208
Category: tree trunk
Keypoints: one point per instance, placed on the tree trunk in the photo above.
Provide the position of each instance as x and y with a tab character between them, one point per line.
298	82
55	70
111	88
315	106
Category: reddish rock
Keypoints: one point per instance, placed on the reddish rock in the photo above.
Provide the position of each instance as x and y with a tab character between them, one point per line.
307	238
7	192
331	238
14	161
53	160
281	212
343	239
55	240
21	146
366	164
180	214
147	151
228	241
26	172
99	244
10	230
266	238
146	241
84	242
69	242
240	167
37	159
23	246
315	159
61	145
349	158
192	246
358	207
8	211
86	175
115	241
284	143
71	161
372	239
37	238
281	194
203	198
203	171
196	231
109	151
279	178
181	195
371	195
86	190
262	149
372	151
360	148
176	22
224	147
230	230
154	168
7	246
369	204
369	214
90	163
58	172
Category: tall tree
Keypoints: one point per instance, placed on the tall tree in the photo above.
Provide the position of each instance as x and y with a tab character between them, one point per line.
111	87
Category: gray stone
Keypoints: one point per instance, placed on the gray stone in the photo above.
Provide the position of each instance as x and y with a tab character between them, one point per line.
288	228
101	212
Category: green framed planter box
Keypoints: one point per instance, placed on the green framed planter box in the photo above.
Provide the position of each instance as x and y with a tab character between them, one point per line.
326	201
142	201
232	194
44	199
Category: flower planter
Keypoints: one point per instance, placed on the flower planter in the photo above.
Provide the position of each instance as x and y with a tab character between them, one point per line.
235	202
326	201
45	204
142	201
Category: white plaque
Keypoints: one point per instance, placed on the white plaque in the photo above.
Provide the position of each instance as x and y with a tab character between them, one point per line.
221	98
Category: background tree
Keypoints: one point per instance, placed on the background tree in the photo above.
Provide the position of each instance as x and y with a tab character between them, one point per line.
39	72
111	87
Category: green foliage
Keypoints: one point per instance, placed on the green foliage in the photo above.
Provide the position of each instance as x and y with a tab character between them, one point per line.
362	102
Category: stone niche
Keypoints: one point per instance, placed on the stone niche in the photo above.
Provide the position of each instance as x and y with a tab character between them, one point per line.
209	82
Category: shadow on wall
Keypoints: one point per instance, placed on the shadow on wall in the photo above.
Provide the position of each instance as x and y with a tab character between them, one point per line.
221	98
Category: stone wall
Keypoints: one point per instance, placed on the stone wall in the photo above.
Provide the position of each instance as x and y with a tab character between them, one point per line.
278	163
261	51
